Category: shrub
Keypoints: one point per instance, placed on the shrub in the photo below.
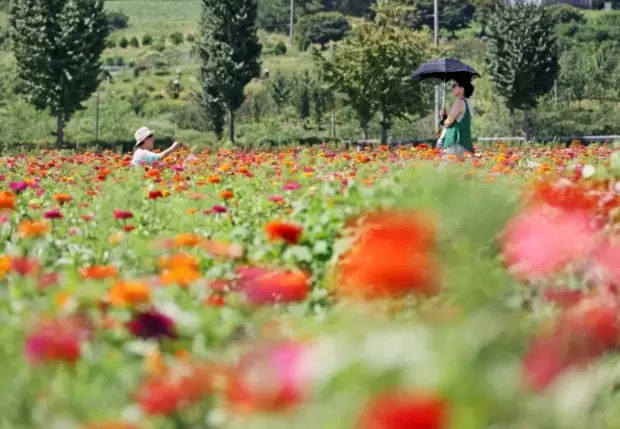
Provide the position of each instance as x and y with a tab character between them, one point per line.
566	14
110	61
280	48
321	28
119	61
134	42
123	43
110	43
191	38
159	47
176	38
147	40
117	20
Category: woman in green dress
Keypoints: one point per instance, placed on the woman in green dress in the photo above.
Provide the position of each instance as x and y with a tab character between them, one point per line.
456	138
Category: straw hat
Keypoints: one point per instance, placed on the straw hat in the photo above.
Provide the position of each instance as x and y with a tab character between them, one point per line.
142	134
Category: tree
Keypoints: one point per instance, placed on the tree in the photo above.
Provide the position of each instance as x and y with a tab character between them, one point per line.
321	28
483	9
279	88
575	75
373	66
454	14
57	47
229	51
302	97
522	59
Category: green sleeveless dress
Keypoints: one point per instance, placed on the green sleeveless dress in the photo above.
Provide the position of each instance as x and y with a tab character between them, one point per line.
459	133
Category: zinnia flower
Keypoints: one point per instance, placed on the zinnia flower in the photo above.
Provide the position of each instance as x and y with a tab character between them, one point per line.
391	255
152	324
402	410
262	286
285	231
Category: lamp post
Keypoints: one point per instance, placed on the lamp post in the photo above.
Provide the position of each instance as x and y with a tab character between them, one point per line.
436	43
292	18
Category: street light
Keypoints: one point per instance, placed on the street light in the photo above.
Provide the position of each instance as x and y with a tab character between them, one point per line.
436	43
290	30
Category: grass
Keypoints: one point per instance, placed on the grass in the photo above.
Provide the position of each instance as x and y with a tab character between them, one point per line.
147	12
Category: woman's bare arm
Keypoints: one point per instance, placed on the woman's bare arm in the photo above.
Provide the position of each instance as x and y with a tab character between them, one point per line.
169	150
455	111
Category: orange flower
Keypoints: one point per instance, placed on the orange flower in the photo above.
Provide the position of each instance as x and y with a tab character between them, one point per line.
285	231
390	256
225	194
191	211
223	249
127	293
7	200
33	229
5	265
153	195
214	179
62	198
99	272
178	260
183	276
187	240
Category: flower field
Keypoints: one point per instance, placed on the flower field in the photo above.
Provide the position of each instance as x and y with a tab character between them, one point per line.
312	288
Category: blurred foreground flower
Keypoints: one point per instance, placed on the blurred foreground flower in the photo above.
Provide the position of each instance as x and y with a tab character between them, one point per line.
391	255
405	410
57	339
543	241
268	378
179	387
262	286
580	335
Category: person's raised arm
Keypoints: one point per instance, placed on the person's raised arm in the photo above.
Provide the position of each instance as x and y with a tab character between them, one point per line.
171	149
457	109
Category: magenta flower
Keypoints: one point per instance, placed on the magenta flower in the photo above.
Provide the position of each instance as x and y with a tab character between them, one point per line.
53	214
276	199
18	187
292	186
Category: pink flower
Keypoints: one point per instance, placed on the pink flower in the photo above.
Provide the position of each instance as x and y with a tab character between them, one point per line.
543	241
292	186
276	198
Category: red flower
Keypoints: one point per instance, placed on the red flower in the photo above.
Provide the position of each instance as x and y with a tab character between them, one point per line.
285	231
405	410
122	214
57	339
582	334
153	195
262	286
152	324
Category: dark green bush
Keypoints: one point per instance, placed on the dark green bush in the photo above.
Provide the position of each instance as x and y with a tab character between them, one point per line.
123	43
134	43
117	20
176	38
147	40
321	28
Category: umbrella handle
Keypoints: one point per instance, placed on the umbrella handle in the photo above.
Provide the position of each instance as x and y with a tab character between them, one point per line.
444	95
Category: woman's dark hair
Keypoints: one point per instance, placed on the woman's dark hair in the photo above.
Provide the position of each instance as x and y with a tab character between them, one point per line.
465	83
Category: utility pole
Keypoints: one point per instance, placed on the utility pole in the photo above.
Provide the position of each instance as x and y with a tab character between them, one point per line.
97	117
436	43
291	23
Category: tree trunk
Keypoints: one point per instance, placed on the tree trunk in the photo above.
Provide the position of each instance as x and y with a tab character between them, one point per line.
60	131
385	126
231	125
365	133
526	125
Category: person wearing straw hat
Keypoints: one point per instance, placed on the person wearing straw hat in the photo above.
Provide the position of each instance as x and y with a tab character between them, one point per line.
456	138
142	154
